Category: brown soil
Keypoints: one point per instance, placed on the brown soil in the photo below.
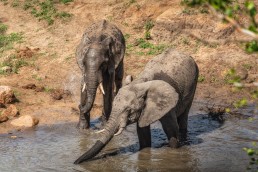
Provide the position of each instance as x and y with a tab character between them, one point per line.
53	69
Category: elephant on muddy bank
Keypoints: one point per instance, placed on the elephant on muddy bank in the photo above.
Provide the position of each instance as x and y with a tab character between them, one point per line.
164	91
100	57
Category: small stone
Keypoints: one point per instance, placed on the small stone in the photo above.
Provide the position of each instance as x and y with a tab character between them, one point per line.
10	112
6	95
25	121
242	73
3	118
13	137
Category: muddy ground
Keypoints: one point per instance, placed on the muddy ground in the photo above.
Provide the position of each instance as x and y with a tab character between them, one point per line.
52	64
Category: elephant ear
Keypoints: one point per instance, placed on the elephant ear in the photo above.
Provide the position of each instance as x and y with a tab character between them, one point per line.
161	98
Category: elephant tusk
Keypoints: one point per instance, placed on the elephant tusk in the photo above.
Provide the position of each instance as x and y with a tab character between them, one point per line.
119	131
100	131
83	87
101	88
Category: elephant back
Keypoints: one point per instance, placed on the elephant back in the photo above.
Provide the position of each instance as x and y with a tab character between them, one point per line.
173	67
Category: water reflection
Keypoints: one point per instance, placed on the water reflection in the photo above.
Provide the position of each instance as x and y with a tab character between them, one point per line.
210	146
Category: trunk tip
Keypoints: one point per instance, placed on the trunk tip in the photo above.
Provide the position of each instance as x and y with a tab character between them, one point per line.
91	153
77	161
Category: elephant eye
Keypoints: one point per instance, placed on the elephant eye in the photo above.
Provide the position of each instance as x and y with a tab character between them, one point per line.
103	66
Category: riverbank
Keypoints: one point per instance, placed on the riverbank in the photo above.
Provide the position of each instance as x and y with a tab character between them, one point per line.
51	65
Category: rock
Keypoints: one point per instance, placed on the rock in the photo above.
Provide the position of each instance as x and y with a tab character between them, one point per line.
6	69
10	112
34	87
39	89
29	86
58	94
242	73
25	121
6	95
27	52
3	118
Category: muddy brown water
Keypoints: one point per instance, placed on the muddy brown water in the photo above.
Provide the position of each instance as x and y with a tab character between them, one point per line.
211	146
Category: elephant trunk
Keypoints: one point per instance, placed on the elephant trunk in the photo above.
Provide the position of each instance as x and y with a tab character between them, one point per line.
92	85
98	146
107	134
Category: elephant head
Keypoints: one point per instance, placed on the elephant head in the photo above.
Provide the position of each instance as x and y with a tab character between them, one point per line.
98	59
144	103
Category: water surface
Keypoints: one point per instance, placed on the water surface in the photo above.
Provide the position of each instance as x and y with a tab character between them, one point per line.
211	146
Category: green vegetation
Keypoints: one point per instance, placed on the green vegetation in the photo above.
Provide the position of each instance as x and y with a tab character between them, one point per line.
148	26
7	40
48	89
232	77
251	47
36	77
253	155
229	11
240	103
44	9
13	63
127	36
65	1
143	47
128	3
3	28
15	3
201	78
10	63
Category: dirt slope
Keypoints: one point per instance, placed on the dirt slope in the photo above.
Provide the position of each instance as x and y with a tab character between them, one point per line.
188	30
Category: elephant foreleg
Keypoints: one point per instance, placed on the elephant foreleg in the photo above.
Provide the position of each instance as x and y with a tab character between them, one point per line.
171	128
119	76
144	135
108	84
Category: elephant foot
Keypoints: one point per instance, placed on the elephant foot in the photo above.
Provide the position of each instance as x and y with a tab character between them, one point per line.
173	142
182	135
83	124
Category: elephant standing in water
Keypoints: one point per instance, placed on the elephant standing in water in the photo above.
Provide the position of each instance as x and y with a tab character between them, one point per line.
100	57
164	91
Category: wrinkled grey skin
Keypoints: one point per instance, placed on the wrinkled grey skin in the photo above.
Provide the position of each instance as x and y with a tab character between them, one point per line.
164	91
100	57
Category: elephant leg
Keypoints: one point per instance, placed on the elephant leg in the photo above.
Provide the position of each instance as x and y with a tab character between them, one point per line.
84	119
171	128
119	76
144	135
108	84
182	120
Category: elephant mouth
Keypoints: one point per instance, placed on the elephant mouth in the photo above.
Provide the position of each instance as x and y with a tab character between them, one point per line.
100	87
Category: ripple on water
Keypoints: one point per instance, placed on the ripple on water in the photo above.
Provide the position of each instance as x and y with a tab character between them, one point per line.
211	146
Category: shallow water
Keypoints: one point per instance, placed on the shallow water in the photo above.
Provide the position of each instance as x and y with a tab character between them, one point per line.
211	146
